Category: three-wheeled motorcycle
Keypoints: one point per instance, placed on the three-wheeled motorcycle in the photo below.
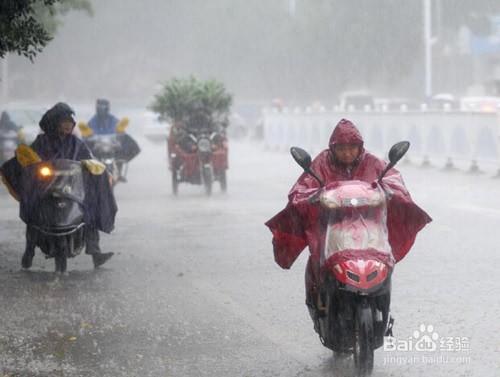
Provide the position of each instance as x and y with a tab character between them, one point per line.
198	157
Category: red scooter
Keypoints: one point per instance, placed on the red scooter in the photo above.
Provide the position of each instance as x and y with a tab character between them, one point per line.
350	306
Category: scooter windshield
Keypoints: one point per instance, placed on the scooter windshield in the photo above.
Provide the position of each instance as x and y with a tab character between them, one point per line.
357	219
104	143
61	178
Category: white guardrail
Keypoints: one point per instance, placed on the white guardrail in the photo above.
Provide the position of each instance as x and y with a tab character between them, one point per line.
440	138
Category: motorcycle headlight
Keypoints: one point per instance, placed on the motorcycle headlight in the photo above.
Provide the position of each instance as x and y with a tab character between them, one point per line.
204	145
45	171
105	148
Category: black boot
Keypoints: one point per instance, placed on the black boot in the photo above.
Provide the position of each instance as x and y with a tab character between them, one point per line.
27	260
92	243
101	258
29	251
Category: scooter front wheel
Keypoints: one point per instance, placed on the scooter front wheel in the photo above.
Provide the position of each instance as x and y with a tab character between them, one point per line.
363	342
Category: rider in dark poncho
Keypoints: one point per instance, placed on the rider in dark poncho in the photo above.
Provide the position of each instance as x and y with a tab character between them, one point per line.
58	142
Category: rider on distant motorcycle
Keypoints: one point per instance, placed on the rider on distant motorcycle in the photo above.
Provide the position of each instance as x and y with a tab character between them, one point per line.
297	226
179	134
57	142
6	124
104	123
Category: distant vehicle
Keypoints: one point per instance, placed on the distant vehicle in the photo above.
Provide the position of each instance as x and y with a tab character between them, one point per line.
238	127
154	129
396	104
480	104
27	118
356	100
198	156
443	101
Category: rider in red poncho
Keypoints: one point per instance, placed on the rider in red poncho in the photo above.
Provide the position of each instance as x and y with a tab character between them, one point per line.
297	226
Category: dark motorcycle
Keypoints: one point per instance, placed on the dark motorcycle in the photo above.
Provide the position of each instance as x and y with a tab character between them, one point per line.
106	148
350	309
55	195
199	158
114	150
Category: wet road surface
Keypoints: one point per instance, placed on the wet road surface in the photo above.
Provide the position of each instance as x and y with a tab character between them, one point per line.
193	289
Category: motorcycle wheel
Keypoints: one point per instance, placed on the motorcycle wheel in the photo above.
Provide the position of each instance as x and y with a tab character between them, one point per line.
207	180
175	183
61	262
363	342
115	174
223	181
341	362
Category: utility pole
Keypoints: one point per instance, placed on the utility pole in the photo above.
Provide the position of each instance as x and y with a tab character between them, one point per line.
428	42
4	79
292	7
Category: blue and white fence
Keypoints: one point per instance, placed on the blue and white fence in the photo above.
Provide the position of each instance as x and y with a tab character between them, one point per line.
441	138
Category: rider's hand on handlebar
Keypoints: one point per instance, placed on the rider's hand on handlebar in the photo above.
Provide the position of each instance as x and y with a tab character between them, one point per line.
388	192
314	198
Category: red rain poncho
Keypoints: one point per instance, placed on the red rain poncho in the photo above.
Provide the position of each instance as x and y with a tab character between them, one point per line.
297	226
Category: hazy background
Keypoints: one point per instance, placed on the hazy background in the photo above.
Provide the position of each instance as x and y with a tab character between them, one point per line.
299	50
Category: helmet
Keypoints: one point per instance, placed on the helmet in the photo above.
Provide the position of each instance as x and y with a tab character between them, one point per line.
102	106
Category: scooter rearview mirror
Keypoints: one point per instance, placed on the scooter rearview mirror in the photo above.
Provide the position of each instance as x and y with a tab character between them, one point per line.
304	160
398	150
301	157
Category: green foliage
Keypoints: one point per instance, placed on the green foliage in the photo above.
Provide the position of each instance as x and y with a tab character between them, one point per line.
26	26
193	102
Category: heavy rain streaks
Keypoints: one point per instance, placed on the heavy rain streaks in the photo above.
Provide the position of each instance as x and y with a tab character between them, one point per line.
192	288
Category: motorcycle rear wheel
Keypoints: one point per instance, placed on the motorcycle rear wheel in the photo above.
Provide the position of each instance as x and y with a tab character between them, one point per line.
207	180
363	342
175	182
223	181
61	262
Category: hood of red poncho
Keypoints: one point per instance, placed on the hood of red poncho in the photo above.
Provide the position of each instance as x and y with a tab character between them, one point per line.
345	133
